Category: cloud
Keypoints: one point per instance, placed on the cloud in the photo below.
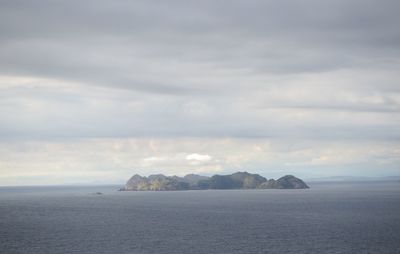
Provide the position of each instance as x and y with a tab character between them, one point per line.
264	70
177	160
198	157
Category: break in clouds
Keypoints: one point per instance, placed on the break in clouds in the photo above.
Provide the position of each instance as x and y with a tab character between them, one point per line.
304	87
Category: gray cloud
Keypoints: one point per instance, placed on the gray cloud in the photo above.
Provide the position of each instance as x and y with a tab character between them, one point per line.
264	36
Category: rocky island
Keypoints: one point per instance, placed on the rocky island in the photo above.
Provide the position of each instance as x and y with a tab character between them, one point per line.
238	180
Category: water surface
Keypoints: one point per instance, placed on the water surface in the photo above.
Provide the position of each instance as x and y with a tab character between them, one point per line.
328	218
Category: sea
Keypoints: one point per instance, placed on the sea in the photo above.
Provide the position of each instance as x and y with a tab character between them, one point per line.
327	218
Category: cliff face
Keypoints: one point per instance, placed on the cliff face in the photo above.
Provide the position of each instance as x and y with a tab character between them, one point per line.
238	180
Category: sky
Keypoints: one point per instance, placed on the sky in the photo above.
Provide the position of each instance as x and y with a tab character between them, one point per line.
96	91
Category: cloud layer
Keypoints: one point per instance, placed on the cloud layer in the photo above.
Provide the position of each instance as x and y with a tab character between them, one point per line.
292	71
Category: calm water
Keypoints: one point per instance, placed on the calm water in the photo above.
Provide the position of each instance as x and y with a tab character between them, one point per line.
328	218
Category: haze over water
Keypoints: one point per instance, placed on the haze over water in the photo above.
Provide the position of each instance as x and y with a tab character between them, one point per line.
328	218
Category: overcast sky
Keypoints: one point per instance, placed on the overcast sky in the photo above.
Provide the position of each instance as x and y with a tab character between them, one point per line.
96	91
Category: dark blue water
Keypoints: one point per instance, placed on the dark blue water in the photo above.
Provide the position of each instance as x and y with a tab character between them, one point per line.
328	218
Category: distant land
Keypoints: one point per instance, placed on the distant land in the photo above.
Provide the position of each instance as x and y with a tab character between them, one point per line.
354	179
238	180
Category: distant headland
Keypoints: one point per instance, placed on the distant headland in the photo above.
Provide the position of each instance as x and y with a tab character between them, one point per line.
238	180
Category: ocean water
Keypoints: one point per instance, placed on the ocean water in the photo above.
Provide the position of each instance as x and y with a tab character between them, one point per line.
328	218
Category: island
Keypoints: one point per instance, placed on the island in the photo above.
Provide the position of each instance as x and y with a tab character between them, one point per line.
238	180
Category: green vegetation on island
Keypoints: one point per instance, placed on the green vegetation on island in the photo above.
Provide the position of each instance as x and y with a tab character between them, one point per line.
238	180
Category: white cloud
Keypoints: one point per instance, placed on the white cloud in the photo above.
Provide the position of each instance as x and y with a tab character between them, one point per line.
198	157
